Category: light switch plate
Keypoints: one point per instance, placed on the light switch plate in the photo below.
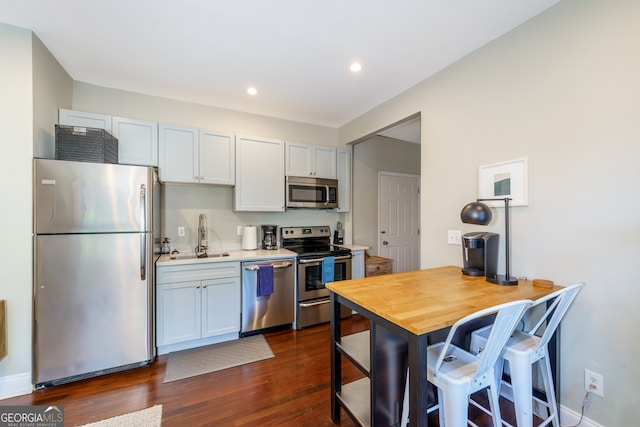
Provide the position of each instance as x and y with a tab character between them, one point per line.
454	237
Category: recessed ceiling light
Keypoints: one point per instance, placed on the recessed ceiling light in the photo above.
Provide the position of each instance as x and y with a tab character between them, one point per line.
355	67
252	90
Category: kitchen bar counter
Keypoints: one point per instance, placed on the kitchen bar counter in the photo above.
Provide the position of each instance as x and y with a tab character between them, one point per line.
413	305
237	255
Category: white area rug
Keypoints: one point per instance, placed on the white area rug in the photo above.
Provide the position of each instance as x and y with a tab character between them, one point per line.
150	417
202	360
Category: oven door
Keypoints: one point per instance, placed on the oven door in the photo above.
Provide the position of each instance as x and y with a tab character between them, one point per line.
310	284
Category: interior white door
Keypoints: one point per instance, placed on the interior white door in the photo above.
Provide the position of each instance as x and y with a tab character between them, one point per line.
399	227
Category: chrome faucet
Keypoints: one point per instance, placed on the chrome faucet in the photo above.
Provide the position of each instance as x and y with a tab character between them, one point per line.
203	244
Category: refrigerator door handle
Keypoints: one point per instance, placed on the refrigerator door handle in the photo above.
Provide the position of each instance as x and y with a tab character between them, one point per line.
143	207
143	236
143	256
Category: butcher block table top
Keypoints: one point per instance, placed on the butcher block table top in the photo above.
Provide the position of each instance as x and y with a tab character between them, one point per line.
425	301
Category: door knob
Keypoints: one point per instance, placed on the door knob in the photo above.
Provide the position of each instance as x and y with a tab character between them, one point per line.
384	242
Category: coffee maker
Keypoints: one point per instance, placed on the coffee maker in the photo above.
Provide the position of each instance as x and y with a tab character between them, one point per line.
480	253
269	237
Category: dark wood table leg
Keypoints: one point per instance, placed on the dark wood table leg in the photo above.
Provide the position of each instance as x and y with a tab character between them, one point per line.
418	385
336	361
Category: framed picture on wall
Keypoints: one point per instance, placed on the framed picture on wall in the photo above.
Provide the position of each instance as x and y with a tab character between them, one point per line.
507	179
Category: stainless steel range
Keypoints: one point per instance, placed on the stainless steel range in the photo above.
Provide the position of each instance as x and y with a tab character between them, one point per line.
316	257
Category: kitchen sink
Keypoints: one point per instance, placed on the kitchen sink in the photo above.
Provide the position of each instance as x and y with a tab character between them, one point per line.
217	254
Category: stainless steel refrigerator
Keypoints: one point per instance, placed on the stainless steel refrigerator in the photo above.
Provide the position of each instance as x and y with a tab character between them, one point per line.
96	238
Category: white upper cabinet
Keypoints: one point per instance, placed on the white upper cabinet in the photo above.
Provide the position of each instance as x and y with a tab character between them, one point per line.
315	161
344	180
137	141
217	160
178	156
80	118
259	174
191	155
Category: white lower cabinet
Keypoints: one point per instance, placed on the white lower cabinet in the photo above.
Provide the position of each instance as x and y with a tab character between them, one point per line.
357	264
197	304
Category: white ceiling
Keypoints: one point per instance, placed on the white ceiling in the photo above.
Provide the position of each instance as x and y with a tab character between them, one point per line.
296	52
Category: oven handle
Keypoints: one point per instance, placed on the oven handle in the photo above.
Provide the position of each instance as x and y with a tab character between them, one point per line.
256	267
315	303
309	261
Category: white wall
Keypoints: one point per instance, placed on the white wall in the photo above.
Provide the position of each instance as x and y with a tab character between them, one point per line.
562	90
16	132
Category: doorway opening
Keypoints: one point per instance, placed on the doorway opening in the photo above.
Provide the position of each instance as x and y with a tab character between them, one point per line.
393	150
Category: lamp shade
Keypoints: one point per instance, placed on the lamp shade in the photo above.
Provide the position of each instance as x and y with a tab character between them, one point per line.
476	213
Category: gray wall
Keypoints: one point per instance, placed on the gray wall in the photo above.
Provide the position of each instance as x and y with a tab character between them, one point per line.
374	155
563	91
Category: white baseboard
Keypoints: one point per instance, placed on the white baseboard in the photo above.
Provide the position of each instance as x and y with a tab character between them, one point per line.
569	417
15	385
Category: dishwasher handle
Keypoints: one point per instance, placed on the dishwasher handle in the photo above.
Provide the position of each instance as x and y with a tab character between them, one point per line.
256	267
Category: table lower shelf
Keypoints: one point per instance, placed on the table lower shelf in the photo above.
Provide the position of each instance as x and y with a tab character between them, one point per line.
355	399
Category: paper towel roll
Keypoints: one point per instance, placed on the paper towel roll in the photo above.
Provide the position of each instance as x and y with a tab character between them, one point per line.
249	238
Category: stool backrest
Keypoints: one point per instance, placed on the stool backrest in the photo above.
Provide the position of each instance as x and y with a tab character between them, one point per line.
558	303
507	318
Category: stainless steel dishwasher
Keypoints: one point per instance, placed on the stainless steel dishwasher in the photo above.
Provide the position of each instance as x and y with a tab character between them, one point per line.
263	312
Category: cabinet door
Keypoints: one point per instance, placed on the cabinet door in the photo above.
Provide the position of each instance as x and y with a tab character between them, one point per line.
178	316
220	306
344	180
80	118
217	158
178	157
298	159
137	141
324	162
259	174
357	264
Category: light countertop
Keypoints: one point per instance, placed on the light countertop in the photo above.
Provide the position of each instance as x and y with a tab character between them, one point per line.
355	247
236	255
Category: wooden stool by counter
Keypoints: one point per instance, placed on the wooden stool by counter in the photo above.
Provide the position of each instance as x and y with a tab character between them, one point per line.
377	266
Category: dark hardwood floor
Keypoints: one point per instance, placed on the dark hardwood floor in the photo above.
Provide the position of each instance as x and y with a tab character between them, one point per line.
291	389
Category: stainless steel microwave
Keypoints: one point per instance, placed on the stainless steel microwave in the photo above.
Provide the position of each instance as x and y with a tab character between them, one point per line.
313	193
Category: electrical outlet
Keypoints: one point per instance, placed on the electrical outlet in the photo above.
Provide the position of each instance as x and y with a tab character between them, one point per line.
239	230
454	237
593	383
180	231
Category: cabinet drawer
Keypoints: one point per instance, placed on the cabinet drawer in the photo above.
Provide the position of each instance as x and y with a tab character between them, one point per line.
202	271
377	266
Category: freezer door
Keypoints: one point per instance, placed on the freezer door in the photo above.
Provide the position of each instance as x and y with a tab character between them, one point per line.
92	308
82	197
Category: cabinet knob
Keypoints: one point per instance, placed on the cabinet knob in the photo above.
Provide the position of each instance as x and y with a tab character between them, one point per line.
197	286
204	286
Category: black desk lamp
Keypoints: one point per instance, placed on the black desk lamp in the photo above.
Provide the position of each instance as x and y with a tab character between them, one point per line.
480	214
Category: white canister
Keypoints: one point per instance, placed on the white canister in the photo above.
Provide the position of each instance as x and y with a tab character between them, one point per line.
249	238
